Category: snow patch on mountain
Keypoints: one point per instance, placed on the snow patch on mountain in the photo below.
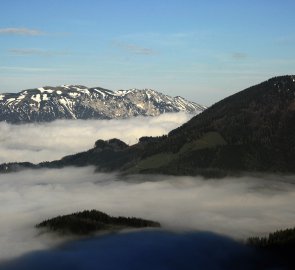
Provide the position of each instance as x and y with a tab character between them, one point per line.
48	103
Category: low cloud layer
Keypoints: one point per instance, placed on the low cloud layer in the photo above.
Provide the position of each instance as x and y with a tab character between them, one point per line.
237	207
49	141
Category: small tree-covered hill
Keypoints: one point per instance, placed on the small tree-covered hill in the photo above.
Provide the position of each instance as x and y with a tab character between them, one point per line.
92	221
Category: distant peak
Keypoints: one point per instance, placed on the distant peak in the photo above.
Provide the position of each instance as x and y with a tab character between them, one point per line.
67	101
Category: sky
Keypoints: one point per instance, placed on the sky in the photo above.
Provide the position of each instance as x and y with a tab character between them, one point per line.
201	50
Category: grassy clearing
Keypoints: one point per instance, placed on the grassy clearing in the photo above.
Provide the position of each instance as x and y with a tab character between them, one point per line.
155	161
208	140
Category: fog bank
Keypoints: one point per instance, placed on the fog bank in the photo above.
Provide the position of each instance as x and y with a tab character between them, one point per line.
237	207
53	140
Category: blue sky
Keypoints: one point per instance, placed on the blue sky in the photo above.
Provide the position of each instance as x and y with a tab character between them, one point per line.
201	50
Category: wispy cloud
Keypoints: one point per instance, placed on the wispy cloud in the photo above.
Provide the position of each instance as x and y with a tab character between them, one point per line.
21	31
38	52
26	69
174	39
285	40
132	48
239	55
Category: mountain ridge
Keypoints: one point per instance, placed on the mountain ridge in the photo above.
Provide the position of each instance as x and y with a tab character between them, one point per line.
250	131
48	103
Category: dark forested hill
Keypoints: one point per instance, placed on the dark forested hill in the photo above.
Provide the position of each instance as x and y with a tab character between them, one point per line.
250	130
87	222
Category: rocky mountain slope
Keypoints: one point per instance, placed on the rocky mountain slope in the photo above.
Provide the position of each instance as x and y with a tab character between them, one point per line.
79	102
252	131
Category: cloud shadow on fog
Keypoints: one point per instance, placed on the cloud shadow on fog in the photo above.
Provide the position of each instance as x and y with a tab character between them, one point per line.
144	250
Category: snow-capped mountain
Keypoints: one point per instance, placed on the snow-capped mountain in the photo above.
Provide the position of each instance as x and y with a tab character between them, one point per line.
79	102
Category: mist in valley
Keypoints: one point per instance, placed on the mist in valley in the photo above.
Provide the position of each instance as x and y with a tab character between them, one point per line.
192	211
235	207
49	141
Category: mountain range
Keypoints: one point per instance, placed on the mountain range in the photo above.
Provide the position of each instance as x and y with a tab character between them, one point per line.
250	131
79	102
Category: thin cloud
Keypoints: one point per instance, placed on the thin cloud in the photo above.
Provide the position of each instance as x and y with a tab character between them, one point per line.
27	69
239	55
285	40
38	52
135	49
21	31
176	39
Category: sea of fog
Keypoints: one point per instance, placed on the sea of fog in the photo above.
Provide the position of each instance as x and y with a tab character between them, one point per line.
203	221
49	141
235	207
